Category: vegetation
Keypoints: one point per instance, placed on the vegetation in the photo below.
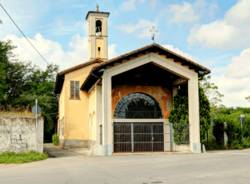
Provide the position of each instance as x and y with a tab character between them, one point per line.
22	83
228	120
12	157
55	139
179	116
221	127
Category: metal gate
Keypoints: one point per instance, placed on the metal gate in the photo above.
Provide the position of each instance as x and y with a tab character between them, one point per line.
138	137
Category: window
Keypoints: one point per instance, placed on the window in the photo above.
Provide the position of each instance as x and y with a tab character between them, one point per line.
98	26
99	52
137	105
74	90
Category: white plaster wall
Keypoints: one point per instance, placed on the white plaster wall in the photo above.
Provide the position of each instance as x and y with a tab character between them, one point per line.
21	133
167	64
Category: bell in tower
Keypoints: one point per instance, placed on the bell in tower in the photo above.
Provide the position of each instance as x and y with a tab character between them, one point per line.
98	34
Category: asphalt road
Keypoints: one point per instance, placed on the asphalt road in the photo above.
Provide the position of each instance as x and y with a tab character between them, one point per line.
229	167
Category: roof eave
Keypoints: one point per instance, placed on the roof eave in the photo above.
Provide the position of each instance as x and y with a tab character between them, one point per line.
97	12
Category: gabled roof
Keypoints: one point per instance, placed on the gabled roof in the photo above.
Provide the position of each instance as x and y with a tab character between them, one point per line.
97	71
60	75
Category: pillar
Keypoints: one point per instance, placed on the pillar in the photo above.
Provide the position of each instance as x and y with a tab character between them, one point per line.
107	114
194	116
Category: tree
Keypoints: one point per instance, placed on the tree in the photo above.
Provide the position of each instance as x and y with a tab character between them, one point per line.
211	91
21	84
5	55
248	98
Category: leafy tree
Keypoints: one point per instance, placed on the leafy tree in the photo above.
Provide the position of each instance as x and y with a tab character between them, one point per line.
21	84
211	91
5	55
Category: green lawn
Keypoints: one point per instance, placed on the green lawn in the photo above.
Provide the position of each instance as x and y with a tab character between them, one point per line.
11	157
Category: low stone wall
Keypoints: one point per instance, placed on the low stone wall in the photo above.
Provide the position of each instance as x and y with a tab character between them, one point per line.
19	132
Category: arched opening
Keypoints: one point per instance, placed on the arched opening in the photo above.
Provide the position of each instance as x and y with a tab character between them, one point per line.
98	26
137	106
137	127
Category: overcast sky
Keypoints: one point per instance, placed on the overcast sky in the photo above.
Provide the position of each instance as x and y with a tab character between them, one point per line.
214	32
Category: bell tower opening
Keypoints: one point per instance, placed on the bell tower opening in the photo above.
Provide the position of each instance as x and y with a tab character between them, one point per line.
98	27
97	34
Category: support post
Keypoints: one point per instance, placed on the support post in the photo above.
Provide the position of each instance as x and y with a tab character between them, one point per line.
194	115
107	114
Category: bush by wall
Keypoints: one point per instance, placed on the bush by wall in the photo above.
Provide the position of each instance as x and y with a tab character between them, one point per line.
55	139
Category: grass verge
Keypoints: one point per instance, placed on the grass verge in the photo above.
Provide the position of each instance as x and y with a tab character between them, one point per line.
24	157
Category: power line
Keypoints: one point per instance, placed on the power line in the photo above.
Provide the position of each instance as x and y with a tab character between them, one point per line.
28	40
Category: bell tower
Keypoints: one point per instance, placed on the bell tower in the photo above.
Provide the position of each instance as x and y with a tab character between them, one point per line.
98	34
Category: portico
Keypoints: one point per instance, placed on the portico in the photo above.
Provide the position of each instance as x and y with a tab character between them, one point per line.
176	73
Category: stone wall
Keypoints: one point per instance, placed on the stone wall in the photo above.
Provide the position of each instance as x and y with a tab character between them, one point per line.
20	133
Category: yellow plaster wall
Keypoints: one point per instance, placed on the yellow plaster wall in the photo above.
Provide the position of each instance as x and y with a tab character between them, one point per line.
92	114
75	112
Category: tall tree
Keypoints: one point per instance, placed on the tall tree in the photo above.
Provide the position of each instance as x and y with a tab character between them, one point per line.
211	91
21	84
5	54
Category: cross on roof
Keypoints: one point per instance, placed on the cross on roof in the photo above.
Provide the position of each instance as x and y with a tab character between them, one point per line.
153	30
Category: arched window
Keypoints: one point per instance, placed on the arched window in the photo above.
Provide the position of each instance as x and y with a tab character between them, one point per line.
98	26
137	105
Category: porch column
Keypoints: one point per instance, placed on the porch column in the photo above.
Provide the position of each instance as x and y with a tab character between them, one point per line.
194	116
107	114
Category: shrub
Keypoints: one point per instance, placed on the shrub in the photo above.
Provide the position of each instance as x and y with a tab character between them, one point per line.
246	142
55	139
238	137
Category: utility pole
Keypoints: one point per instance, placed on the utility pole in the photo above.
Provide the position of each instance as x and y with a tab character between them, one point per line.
242	117
36	111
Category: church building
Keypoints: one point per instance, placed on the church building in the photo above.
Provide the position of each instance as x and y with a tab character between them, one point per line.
123	104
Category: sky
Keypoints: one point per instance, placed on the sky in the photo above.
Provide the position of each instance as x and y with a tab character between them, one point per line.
213	32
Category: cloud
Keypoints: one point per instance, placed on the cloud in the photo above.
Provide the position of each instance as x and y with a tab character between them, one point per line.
130	5
183	13
61	27
230	32
178	51
112	52
235	80
140	28
53	51
189	13
25	16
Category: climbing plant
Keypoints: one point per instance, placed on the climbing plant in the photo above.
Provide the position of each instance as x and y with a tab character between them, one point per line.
179	116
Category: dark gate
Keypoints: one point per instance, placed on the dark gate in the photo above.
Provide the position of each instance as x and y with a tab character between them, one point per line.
138	137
